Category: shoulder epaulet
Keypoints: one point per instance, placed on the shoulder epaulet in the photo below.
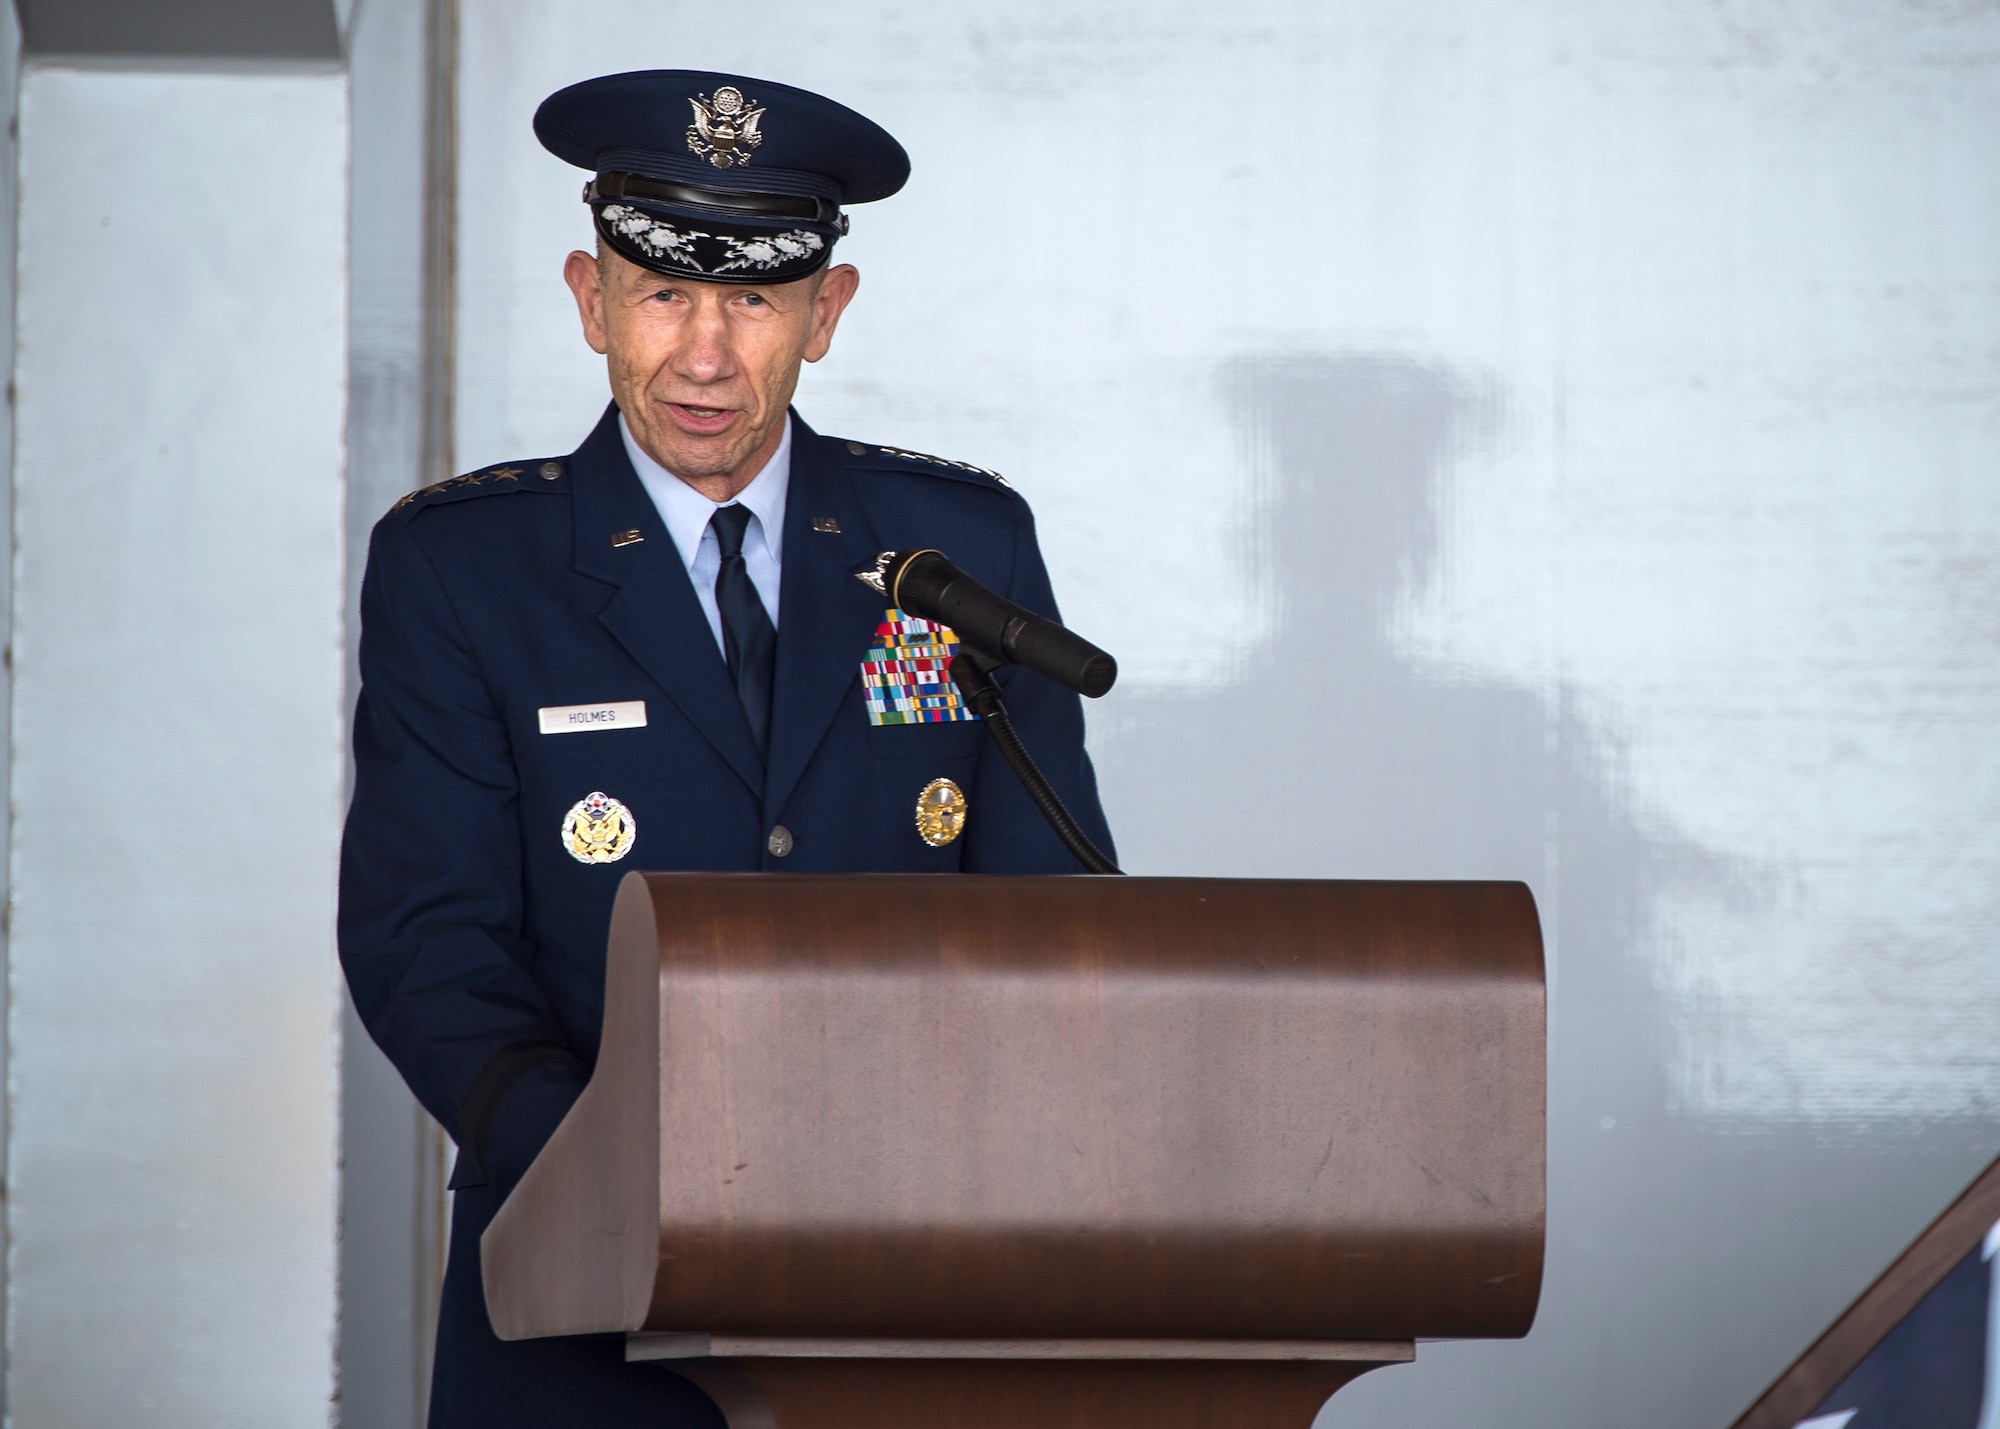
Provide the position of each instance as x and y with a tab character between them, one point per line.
511	476
896	458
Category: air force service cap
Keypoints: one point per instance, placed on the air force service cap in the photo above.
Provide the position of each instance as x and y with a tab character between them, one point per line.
718	176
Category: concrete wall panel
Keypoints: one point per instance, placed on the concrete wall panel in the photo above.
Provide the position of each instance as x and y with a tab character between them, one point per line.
177	649
294	30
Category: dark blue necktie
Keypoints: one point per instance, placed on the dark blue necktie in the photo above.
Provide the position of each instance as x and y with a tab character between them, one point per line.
748	641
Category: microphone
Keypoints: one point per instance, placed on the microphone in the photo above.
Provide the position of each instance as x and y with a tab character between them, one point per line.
927	585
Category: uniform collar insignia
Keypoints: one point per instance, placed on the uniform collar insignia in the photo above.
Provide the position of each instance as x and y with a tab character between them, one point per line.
876	576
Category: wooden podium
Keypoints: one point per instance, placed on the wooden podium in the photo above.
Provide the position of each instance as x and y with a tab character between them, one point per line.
961	1152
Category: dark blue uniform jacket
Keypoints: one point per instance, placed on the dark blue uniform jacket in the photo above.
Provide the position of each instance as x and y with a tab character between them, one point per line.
467	928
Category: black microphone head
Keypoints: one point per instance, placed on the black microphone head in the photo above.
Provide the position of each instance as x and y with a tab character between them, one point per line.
933	571
925	583
1060	655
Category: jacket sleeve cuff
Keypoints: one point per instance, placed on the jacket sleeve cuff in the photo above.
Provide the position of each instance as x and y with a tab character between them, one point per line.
514	1105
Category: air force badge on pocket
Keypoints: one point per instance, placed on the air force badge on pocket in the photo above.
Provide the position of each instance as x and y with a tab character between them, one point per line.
940	812
906	676
598	829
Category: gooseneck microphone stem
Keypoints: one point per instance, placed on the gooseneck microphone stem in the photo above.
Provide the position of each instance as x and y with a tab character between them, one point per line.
982	696
994	631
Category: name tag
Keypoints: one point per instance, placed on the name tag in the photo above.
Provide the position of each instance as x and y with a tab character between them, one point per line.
574	719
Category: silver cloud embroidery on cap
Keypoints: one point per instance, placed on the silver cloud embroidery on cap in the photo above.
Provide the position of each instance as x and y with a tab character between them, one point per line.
655	235
769	250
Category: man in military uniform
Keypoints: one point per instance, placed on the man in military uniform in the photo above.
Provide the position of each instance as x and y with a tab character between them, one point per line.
661	651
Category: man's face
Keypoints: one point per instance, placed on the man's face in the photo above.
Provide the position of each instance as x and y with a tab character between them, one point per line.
704	371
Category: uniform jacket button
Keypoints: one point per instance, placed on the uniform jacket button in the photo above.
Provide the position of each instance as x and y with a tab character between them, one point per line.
780	842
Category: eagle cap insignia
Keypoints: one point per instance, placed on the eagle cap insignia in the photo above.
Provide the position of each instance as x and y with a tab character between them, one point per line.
725	130
598	829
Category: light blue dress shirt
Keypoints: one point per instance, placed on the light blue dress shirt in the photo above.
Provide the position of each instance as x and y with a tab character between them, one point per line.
687	513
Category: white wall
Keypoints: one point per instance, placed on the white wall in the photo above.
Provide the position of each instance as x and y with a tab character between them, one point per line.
1537	440
176	741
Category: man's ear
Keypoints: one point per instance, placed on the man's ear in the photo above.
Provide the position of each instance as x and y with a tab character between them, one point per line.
586	285
836	291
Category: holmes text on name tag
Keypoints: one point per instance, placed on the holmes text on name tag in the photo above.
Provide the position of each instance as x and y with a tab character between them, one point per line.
574	719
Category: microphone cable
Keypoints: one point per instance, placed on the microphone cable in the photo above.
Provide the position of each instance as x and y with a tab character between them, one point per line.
982	694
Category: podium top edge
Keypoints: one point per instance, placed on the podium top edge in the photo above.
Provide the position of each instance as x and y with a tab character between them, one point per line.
646	1346
1132	880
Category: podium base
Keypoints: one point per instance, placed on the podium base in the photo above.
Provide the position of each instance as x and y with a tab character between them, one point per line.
780	1383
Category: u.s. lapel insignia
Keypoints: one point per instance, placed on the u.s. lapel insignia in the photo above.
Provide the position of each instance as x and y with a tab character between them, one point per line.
940	813
598	829
725	127
906	676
